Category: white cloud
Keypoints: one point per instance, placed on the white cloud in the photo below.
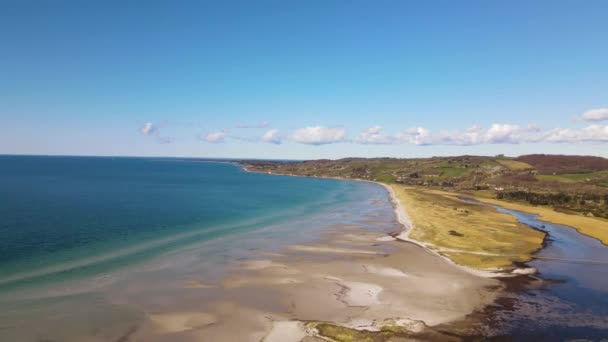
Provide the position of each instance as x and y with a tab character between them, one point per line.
475	135
272	136
416	136
511	134
148	128
503	134
215	137
497	133
593	133
599	114
152	130
319	135
373	135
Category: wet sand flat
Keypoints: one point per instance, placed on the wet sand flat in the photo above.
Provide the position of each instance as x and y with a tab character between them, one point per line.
329	281
353	274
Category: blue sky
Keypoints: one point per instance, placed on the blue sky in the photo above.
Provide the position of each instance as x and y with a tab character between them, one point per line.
305	79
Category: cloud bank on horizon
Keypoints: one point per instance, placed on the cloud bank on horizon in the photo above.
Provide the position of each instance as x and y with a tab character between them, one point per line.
303	80
318	135
497	133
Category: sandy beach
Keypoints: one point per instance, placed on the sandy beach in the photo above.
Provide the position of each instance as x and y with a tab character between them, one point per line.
407	226
351	278
345	270
308	171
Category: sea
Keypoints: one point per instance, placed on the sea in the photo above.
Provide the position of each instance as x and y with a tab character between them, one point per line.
87	242
90	245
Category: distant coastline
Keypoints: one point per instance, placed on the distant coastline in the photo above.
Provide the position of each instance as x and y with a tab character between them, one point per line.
517	268
399	260
404	219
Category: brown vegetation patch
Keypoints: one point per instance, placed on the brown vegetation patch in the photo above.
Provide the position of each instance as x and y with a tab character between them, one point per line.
546	163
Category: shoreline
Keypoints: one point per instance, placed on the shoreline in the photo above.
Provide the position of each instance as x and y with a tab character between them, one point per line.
405	221
354	277
357	274
364	282
406	224
516	283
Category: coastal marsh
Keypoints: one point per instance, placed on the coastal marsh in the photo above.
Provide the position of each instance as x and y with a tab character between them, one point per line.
470	234
594	227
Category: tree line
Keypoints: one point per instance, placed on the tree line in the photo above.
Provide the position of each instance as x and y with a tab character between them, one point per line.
595	204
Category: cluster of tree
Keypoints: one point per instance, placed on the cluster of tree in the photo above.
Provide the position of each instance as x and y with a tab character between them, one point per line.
589	203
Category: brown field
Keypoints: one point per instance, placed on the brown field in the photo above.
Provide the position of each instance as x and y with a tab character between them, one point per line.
549	164
515	165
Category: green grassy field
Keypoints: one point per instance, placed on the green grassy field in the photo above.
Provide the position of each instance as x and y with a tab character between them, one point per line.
448	170
598	177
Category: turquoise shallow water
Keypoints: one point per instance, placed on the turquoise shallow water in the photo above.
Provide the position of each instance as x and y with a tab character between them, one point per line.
69	217
90	246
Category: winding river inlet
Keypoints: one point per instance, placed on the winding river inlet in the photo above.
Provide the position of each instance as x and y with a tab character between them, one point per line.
113	249
571	301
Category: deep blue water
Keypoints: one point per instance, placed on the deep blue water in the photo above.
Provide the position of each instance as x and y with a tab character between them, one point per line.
74	216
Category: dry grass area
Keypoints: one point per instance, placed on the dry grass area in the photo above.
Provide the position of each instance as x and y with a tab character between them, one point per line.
470	234
515	165
590	226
